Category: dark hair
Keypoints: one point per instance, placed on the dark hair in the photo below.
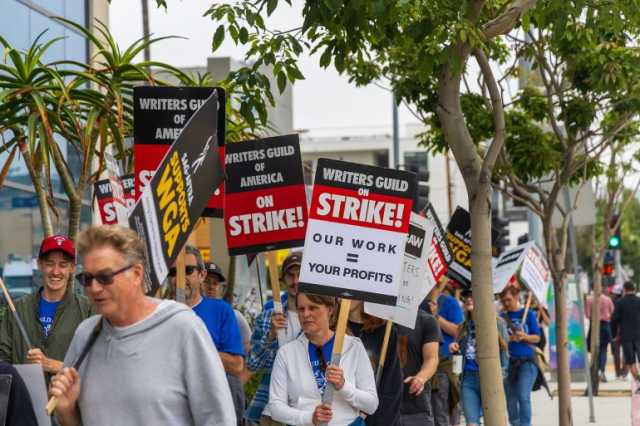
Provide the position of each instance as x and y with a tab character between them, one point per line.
629	286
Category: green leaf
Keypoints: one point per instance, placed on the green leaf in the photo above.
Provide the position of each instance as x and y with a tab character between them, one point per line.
244	35
282	81
218	38
271	6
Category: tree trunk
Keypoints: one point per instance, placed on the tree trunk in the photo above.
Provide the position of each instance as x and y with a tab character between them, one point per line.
484	313
36	179
478	190
562	351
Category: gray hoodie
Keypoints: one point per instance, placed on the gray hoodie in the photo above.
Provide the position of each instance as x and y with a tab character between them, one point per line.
163	370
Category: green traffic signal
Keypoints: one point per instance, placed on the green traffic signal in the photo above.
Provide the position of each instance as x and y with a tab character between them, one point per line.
614	242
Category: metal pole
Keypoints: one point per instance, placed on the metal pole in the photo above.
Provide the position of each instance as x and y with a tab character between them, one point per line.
576	269
396	134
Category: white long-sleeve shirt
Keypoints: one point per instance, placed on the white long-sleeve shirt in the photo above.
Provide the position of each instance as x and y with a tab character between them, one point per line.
294	394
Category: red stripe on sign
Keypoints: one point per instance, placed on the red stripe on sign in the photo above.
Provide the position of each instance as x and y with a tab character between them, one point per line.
266	216
340	205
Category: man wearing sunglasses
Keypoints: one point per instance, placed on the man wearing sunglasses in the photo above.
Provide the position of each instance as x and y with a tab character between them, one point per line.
152	361
50	315
220	320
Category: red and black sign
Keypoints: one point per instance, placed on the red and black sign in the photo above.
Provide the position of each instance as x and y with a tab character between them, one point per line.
159	114
104	196
357	231
265	202
440	257
170	205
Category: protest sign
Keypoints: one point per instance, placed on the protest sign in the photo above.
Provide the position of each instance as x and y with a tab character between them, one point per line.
106	202
440	256
174	199
356	233
459	239
535	273
506	266
159	115
34	381
265	204
415	283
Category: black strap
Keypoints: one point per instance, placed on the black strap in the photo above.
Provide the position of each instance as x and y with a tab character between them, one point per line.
90	342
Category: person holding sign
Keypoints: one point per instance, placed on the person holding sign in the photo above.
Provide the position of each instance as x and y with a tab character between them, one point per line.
465	345
302	371
524	332
418	354
371	331
150	362
265	340
220	320
50	315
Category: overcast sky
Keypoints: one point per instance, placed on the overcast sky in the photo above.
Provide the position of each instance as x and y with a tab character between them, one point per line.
325	103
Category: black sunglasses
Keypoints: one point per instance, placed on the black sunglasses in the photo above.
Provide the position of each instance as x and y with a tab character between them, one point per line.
104	278
189	269
323	362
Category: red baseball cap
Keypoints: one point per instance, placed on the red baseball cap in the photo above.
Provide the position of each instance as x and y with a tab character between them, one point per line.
57	242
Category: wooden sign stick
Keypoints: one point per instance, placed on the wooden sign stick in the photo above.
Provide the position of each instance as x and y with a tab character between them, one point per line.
181	277
275	290
12	308
526	308
338	342
383	351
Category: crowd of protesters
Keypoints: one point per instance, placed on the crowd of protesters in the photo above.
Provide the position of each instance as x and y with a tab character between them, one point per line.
155	361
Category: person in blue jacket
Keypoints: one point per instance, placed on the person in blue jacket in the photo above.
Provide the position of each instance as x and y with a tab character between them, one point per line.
524	333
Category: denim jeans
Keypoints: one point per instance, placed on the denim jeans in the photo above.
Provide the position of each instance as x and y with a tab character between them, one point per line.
519	394
470	397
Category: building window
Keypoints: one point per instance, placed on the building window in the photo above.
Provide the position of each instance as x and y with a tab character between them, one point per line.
417	162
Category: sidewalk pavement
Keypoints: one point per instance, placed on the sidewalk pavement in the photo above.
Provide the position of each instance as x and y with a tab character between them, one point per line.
614	409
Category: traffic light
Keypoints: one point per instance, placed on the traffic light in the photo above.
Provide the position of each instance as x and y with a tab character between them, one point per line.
499	233
615	240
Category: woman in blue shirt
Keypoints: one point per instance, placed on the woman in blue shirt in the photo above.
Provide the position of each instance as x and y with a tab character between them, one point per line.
524	333
465	344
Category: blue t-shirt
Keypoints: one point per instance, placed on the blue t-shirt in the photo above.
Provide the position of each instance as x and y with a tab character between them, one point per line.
222	324
449	309
522	349
46	314
470	362
318	374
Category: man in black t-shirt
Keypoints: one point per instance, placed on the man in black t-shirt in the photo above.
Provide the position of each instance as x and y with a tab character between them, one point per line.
626	319
418	351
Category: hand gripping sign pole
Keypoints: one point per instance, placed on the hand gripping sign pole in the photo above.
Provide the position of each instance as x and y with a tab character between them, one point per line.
341	329
12	308
275	290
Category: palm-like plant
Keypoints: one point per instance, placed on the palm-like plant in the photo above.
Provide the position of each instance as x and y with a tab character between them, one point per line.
90	106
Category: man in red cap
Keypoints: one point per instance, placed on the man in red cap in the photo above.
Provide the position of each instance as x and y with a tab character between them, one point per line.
50	315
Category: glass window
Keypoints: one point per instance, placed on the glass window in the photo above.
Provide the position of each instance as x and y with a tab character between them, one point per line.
55	7
40	23
416	162
74	10
75	46
14	24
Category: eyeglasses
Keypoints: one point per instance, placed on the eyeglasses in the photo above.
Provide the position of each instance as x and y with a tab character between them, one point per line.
323	362
189	269
104	278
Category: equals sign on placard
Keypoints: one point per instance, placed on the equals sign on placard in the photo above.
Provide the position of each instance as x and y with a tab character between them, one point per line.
352	257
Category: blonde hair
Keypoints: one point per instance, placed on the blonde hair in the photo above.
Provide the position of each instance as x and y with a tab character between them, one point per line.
121	239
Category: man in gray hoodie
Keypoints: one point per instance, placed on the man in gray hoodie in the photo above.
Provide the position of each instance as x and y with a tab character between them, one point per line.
153	362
